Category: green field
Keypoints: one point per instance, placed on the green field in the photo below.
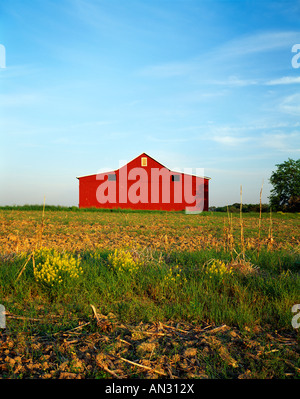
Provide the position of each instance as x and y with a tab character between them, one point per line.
100	294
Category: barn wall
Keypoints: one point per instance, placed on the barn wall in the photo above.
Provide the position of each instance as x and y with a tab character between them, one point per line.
148	187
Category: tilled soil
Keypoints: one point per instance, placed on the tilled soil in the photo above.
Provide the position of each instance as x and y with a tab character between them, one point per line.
107	348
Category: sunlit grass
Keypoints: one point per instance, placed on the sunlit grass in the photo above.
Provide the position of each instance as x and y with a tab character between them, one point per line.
151	266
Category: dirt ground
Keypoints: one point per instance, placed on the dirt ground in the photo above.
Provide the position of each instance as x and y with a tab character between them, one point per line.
106	348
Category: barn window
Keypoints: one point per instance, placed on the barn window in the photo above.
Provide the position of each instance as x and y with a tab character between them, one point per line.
175	178
112	177
144	161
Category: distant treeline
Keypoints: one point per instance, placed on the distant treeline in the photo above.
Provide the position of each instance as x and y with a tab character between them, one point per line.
234	208
74	209
38	208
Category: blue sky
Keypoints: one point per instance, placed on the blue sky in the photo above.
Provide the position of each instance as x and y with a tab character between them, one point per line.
194	83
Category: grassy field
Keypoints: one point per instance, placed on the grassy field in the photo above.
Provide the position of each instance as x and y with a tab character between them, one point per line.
98	294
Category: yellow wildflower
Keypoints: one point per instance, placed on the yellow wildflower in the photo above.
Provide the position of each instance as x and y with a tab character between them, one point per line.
55	268
122	261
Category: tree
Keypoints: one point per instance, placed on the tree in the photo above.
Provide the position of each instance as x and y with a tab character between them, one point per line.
285	194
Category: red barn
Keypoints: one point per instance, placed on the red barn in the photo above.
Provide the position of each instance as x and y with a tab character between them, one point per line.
144	183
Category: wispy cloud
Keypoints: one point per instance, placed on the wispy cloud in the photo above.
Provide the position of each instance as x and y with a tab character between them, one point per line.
233	49
285	80
280	137
284	142
291	105
230	140
260	42
170	69
235	81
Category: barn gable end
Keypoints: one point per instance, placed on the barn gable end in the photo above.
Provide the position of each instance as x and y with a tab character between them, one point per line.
144	183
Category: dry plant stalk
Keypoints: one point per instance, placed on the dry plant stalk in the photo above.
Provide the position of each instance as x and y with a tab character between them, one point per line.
166	243
225	231
270	236
23	267
230	233
12	316
242	226
259	220
141	365
38	244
